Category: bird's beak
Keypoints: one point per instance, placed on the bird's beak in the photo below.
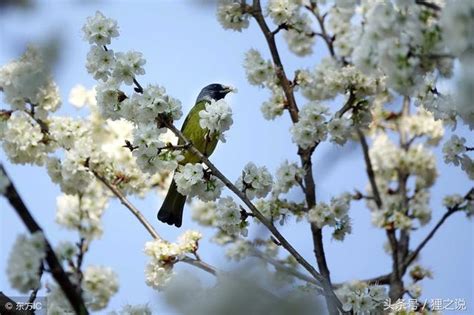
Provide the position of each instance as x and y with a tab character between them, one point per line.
228	89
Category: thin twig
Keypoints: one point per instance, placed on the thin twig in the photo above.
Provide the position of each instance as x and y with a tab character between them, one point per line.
189	260
129	206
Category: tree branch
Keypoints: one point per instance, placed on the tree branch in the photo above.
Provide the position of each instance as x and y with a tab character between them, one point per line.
154	234
71	292
267	223
129	206
430	235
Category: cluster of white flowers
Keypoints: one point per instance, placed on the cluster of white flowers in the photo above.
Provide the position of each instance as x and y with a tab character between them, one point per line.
334	214
239	249
100	62
152	156
99	285
99	30
163	255
192	180
287	176
300	36
257	69
28	81
361	298
103	63
204	213
439	104
394	39
283	11
133	310
255	181
339	129
80	96
452	201
339	24
127	66
311	127
229	217
231	16
273	210
23	140
455	152
141	108
83	212
25	260
330	78
388	161
216	117
423	123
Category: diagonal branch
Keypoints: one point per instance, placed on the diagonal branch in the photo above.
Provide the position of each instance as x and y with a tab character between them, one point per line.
268	224
70	290
430	235
129	206
151	230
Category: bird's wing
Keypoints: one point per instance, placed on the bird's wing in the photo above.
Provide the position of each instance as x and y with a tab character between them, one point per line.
199	137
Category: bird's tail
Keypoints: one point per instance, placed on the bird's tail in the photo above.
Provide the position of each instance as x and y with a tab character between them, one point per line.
171	212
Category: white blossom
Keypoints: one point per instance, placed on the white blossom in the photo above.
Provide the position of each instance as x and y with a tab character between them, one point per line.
255	181
339	129
287	176
311	127
127	66
216	117
362	298
453	148
99	29
188	241
257	69
163	255
108	99
204	213
282	11
229	217
275	106
100	62
28	81
300	37
187	177
23	140
231	16
24	262
99	284
79	96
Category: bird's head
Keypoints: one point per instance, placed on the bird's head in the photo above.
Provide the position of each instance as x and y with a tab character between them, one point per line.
214	91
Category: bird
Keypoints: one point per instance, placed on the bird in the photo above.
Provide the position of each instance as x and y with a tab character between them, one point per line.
171	211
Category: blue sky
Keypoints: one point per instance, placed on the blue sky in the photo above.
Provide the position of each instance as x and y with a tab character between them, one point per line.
186	49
